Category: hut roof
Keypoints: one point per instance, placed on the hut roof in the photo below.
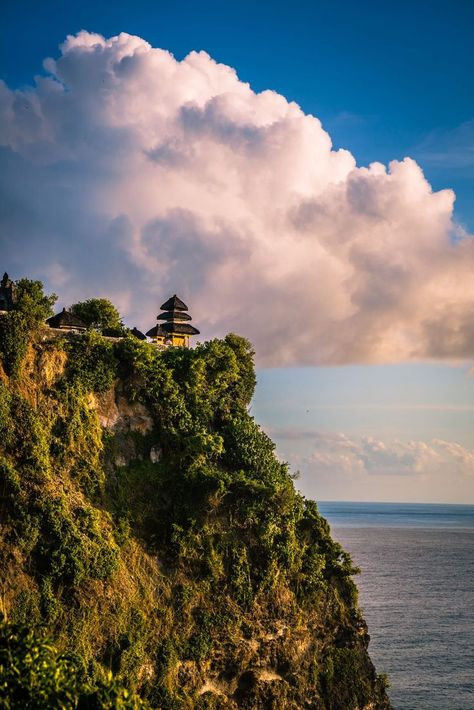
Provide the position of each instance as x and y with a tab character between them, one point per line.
156	330
180	328
137	334
174	304
174	315
66	319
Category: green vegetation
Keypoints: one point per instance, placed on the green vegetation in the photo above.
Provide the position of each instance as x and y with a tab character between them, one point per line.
149	527
99	314
22	324
33	674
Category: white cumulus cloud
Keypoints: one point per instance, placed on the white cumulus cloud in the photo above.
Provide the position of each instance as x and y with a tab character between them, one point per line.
337	452
129	174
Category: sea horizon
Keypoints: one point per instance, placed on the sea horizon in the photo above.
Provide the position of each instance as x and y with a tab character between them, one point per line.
388	514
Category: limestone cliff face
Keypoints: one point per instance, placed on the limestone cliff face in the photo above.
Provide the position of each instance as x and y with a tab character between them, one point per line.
147	523
117	414
120	418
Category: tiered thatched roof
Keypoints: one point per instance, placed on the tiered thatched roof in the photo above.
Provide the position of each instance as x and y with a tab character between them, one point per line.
173	313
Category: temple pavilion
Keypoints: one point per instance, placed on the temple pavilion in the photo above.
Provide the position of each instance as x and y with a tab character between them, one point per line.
7	294
176	329
67	321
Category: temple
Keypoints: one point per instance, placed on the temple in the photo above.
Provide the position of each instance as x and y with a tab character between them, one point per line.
66	321
7	294
175	330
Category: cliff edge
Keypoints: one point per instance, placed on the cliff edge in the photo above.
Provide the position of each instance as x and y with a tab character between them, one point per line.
148	526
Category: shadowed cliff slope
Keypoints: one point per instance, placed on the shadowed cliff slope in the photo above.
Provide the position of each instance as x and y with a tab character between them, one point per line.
148	526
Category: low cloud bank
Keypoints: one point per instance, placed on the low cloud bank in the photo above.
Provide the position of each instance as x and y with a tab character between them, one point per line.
339	454
129	174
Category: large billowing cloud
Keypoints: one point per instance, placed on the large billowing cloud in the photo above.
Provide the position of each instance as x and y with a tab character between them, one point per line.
129	174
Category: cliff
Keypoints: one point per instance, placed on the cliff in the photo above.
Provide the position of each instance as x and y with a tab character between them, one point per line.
147	525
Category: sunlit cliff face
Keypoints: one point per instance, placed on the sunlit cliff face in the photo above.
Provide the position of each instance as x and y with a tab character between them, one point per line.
132	175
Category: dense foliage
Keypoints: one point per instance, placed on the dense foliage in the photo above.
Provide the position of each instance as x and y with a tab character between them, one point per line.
169	545
34	675
99	314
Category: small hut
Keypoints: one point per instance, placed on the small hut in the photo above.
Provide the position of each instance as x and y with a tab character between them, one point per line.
175	330
7	294
158	335
66	321
137	333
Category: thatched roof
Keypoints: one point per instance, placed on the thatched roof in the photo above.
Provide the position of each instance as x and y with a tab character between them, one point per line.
137	334
166	329
174	304
156	330
180	328
174	315
6	281
66	319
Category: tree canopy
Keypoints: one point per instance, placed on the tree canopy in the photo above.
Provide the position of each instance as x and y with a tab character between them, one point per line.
99	314
32	302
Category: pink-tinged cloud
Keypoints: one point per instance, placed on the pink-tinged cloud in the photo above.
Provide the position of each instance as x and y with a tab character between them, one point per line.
129	174
340	453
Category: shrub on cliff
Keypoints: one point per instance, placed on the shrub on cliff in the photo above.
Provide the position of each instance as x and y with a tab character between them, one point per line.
34	675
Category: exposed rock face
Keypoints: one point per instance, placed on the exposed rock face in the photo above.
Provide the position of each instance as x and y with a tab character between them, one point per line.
156	453
115	412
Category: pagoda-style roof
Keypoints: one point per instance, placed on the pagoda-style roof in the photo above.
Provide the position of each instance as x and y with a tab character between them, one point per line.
174	315
137	334
66	319
7	293
6	282
180	328
174	304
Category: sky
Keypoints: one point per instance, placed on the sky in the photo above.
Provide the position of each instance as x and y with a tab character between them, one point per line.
300	174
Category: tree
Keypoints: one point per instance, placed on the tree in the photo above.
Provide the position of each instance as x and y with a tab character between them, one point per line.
30	310
99	314
32	302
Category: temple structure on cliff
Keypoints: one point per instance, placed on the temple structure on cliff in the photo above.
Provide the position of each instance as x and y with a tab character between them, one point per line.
66	321
7	294
176	329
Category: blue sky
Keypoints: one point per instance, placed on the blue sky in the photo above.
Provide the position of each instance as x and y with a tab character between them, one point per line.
388	403
387	80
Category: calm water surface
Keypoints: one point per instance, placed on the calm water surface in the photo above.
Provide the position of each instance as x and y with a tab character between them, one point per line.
416	591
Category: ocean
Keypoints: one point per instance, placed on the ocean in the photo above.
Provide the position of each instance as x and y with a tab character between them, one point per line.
416	589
